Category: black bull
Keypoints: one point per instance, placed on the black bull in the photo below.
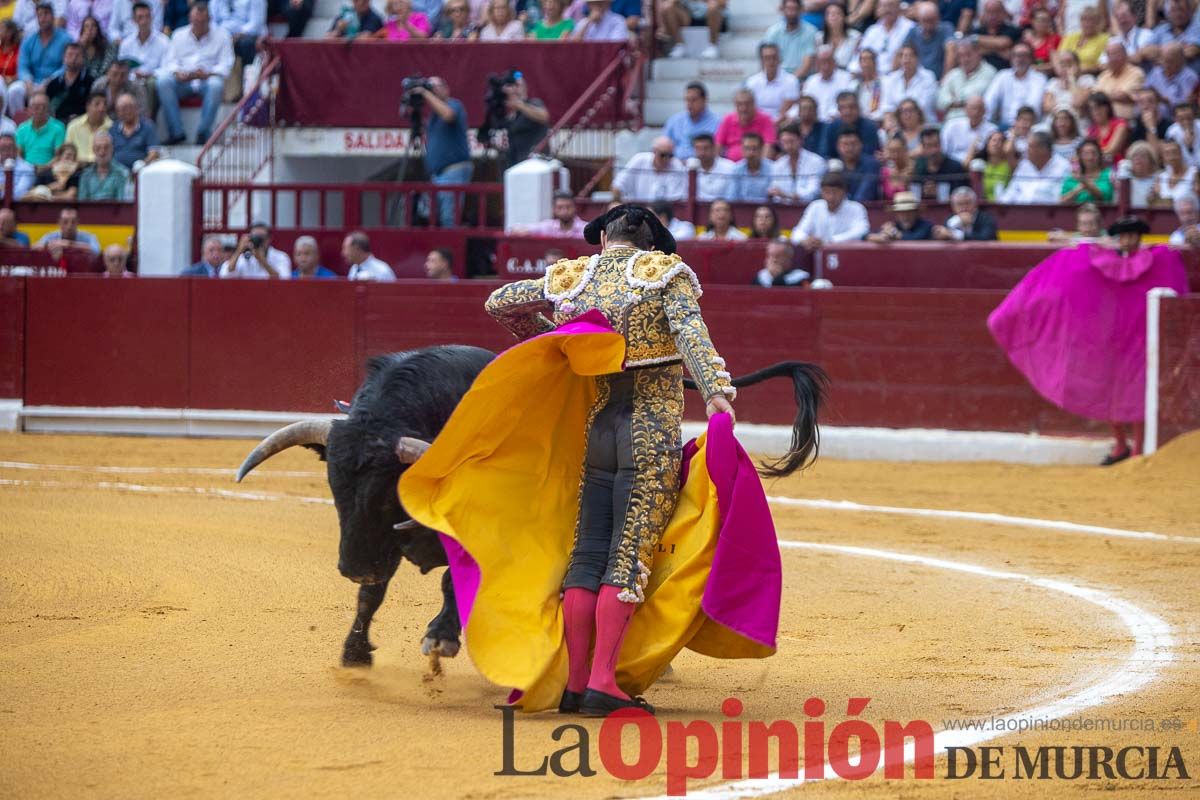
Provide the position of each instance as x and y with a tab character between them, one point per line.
410	396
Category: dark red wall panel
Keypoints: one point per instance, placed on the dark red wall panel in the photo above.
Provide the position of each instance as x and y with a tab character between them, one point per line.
97	342
12	337
271	345
896	357
404	316
1179	367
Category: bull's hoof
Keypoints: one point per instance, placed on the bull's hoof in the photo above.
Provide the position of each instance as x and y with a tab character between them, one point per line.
358	654
447	648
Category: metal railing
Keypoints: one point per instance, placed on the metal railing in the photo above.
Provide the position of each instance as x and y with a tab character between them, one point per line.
243	145
603	90
316	207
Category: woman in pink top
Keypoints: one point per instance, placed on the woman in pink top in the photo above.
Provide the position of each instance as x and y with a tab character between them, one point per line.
896	175
403	24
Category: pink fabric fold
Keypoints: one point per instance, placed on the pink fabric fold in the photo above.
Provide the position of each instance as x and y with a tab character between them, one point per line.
746	581
1075	327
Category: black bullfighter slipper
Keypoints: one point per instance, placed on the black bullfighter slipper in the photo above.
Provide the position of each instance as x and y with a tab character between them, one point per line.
1111	458
570	702
599	704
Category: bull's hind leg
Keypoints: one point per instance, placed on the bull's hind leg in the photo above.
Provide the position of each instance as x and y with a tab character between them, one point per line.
356	652
441	636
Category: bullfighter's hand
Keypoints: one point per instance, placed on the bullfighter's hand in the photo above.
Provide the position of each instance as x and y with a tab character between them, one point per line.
719	404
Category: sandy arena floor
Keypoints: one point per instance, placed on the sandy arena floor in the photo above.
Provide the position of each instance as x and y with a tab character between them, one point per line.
167	632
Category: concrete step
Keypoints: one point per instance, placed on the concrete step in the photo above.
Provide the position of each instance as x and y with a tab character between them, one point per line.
755	7
187	153
191	120
674	89
753	22
658	111
740	46
696	69
318	26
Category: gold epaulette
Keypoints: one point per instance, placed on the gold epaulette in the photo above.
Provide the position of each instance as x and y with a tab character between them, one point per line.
565	275
652	268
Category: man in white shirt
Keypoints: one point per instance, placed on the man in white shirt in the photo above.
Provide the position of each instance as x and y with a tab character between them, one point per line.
25	14
255	258
356	250
911	80
1016	87
656	175
798	171
827	83
1039	176
972	76
1186	131
964	137
123	24
887	35
197	63
775	91
1132	38
712	170
245	21
145	44
831	219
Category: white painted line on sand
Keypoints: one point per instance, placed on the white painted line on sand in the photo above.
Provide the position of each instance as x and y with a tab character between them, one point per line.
980	516
26	465
142	488
1152	651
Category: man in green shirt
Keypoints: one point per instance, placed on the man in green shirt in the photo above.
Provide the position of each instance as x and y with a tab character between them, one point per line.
40	135
795	38
104	179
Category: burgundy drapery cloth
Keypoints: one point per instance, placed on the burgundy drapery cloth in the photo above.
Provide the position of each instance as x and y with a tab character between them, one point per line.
358	83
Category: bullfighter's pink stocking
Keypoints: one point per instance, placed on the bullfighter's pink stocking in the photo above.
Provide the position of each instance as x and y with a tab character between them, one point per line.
579	619
612	621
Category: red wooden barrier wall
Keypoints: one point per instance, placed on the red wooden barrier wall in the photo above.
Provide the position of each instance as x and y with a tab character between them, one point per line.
12	337
1179	360
897	357
252	346
97	342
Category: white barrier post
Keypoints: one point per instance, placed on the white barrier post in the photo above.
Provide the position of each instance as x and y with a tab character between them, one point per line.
164	217
1150	427
529	192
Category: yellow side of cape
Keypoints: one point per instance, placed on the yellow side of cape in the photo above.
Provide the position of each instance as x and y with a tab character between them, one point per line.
503	479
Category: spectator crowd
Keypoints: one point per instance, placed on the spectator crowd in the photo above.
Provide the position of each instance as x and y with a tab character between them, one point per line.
1044	101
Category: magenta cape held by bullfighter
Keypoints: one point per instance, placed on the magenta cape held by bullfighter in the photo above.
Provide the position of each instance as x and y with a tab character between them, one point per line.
501	482
1075	326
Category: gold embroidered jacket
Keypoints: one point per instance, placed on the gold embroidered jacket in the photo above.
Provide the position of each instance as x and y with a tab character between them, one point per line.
648	297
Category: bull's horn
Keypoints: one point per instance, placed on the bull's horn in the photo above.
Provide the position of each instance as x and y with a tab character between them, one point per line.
408	450
342	406
305	432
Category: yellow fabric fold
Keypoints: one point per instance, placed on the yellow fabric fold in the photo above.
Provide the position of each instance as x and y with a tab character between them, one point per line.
502	479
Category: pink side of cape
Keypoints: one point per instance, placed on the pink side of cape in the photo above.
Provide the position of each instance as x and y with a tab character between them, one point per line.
1075	327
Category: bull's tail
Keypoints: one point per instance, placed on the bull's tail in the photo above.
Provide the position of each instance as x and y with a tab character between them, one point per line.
809	383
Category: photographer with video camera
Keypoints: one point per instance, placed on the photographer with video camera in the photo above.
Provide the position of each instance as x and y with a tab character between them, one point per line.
447	153
255	258
510	108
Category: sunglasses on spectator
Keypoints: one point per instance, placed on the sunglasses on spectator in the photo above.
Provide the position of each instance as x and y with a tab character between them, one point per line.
661	154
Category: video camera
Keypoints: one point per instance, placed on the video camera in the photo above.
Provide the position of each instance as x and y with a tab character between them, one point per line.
411	99
495	99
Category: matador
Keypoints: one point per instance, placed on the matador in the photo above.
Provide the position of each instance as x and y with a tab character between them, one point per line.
587	544
630	476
